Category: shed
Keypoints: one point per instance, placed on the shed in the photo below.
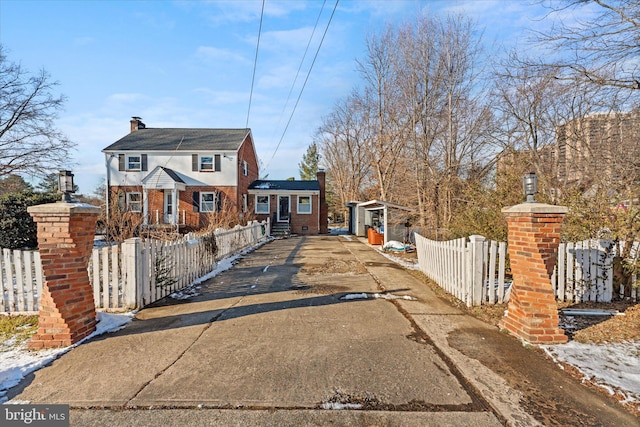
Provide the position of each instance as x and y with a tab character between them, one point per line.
386	218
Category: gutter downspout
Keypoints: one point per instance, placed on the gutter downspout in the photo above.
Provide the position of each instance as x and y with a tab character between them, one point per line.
107	161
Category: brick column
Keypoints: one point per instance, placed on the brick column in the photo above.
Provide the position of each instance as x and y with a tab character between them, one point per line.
534	235
65	240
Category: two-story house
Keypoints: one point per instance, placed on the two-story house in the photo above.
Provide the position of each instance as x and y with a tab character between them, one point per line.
180	176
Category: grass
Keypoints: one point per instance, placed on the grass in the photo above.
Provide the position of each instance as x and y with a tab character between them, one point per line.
16	329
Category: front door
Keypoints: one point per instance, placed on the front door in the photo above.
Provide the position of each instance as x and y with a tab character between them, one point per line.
169	208
283	208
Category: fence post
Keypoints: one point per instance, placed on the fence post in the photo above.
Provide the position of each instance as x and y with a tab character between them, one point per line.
476	244
132	286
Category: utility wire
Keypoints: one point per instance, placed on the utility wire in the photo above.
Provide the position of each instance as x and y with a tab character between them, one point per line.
304	85
295	80
255	64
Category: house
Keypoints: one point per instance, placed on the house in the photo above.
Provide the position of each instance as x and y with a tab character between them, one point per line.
180	177
297	207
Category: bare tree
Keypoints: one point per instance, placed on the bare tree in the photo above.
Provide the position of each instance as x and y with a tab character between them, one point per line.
380	99
29	140
602	49
343	141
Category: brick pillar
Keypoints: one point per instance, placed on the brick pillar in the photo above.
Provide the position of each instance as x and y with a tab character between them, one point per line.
65	240
534	235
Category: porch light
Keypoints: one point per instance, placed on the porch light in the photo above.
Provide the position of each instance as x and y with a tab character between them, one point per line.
530	186
65	185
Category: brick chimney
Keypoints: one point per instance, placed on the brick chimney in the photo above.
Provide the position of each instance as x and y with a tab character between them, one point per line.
136	123
324	207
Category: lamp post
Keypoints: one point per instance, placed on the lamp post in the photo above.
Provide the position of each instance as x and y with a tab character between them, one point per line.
65	185
530	186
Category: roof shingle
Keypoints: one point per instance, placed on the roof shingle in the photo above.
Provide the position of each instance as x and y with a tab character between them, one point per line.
177	139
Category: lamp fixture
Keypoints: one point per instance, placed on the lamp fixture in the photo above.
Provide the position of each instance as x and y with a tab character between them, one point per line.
65	185
530	186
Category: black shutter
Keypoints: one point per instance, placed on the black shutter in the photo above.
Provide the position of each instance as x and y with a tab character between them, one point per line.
143	160
217	165
218	201
121	201
121	160
194	162
196	201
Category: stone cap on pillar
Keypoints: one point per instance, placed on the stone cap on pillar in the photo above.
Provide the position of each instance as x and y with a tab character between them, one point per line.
535	208
64	208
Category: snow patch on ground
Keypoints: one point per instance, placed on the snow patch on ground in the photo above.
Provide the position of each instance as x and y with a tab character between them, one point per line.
18	362
340	406
376	296
409	264
613	366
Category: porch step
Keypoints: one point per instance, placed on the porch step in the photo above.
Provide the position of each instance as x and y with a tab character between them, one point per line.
280	229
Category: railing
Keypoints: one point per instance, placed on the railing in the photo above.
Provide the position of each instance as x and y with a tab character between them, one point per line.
132	274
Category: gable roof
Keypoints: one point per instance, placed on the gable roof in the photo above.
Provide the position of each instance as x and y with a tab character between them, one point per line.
285	185
172	139
163	178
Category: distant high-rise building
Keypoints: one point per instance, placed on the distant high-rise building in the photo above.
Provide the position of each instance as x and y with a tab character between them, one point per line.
602	148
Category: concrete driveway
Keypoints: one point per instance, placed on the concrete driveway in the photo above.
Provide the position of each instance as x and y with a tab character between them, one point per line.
274	341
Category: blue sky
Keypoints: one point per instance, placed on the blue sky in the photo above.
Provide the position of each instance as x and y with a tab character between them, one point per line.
190	63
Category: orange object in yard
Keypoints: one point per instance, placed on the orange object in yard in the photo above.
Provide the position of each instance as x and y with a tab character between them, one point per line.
374	238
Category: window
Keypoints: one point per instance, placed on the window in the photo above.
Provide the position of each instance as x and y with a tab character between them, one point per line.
206	163
304	204
134	202
245	203
262	204
245	168
134	163
207	202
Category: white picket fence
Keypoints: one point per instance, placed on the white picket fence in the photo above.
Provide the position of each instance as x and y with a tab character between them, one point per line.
584	271
132	274
473	269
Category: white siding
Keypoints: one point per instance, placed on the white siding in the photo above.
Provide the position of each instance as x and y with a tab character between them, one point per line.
180	162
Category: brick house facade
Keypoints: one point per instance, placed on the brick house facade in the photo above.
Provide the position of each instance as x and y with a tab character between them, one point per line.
299	204
180	176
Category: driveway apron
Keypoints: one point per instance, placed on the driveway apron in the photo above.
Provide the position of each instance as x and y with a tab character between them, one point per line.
284	329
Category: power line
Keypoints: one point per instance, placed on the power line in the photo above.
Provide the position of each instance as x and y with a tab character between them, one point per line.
255	64
304	84
304	56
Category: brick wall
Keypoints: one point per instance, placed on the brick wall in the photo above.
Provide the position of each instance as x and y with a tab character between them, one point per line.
65	240
534	235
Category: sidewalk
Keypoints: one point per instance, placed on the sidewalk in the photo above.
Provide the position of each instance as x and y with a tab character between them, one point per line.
273	342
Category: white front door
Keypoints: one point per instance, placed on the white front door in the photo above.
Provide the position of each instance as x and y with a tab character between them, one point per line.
169	207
